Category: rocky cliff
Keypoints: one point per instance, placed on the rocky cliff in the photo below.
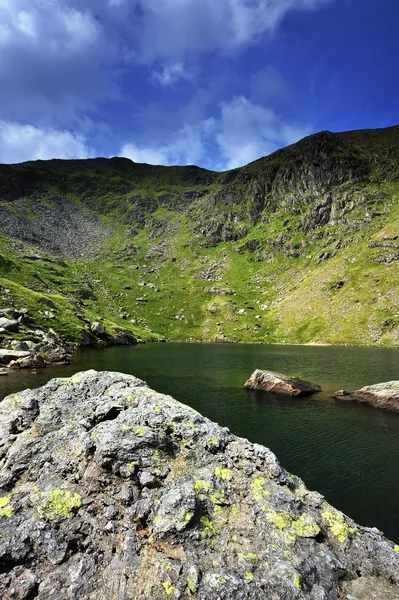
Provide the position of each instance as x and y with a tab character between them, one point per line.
299	246
109	490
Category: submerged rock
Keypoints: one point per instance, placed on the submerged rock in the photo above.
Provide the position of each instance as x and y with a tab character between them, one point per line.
268	381
380	395
111	490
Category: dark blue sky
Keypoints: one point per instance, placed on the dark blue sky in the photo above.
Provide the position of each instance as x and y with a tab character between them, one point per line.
191	81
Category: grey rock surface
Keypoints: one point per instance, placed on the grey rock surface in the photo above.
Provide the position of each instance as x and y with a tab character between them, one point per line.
9	325
269	381
380	395
7	356
109	490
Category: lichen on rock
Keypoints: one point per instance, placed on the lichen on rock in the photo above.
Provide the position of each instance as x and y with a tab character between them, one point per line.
104	497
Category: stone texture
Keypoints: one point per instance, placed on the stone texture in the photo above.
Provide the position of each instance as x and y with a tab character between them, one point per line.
6	356
109	490
380	395
268	381
97	328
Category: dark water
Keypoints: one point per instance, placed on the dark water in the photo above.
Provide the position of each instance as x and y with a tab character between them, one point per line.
348	452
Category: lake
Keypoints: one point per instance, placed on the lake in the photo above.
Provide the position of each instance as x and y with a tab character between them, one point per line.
348	452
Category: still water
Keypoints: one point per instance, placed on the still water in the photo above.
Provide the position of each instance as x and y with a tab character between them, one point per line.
348	452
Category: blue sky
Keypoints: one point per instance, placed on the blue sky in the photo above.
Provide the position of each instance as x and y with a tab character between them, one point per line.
216	83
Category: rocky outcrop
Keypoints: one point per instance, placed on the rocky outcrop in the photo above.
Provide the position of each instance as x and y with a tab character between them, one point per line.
269	381
380	395
111	490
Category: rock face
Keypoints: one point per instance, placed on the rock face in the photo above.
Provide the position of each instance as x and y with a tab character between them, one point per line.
268	381
380	395
111	490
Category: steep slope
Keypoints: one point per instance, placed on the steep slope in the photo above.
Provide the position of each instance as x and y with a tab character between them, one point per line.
111	490
300	246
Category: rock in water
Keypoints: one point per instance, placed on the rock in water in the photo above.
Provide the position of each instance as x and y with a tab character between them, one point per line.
110	490
380	395
268	381
7	356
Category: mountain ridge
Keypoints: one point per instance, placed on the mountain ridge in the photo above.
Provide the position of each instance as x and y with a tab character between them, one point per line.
298	247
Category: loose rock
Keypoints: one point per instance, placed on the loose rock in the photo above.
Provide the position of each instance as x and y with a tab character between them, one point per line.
380	395
268	381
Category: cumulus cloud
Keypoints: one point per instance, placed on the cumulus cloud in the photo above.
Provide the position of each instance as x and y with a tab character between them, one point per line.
248	131
54	60
242	132
186	146
19	143
59	57
170	74
173	30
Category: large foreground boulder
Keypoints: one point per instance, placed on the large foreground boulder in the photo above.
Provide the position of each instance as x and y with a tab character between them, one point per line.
112	491
380	395
269	381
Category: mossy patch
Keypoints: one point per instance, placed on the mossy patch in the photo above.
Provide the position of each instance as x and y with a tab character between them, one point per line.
59	503
337	525
6	508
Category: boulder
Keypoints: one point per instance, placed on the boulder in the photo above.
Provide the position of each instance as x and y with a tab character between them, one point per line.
9	325
111	490
380	395
268	381
7	356
33	361
57	355
122	339
47	302
21	346
97	328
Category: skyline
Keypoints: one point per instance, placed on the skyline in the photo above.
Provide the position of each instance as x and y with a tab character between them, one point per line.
188	82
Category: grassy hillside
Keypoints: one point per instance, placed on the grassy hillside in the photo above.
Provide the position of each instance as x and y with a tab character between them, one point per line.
301	246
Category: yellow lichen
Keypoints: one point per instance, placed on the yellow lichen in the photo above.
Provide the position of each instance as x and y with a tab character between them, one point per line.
223	473
248	556
140	431
57	503
305	526
210	528
396	547
338	525
297	581
191	585
248	576
169	588
257	488
234	511
201	485
6	509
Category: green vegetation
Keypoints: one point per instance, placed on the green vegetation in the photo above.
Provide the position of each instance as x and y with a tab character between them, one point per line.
338	525
298	247
57	503
6	509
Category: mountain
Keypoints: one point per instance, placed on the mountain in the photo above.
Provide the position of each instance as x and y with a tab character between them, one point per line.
301	246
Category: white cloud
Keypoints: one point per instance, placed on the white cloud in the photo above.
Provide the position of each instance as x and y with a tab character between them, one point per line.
19	143
248	131
170	73
173	30
55	60
243	132
186	146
